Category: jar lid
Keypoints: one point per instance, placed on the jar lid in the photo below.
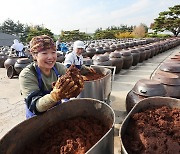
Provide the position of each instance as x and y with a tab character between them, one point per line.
147	87
168	78
23	60
170	67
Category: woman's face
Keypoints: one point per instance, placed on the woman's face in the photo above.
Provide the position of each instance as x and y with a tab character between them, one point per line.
46	59
79	51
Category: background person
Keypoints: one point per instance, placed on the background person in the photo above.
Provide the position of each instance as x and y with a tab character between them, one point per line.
58	44
19	48
37	78
76	58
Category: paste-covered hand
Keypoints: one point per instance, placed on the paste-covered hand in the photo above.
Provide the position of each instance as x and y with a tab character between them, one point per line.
63	88
68	85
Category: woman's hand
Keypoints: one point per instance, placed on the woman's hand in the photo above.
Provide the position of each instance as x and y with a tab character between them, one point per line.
63	89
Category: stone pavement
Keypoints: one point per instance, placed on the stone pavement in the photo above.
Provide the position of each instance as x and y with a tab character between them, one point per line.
12	110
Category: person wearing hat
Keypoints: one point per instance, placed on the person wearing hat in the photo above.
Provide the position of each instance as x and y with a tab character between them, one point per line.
36	79
76	58
19	48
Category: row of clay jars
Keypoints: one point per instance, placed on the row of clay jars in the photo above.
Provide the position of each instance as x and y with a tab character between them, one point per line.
148	50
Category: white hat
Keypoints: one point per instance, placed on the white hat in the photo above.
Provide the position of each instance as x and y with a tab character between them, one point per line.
78	44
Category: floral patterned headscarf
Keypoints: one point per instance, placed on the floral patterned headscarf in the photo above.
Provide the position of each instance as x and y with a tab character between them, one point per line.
40	43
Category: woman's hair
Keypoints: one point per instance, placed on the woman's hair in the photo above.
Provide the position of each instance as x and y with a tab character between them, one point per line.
40	43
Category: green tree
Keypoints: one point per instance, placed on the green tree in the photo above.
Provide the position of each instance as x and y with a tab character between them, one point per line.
8	27
168	20
112	32
73	35
15	28
38	30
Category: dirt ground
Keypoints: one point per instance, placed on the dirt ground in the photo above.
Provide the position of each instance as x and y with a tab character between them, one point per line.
12	109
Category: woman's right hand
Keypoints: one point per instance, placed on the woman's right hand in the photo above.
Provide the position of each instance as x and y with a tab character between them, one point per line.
63	90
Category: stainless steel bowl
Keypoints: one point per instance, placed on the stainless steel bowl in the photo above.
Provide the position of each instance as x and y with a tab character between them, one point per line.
27	131
145	104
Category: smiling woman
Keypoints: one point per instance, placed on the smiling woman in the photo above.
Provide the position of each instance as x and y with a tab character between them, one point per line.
37	78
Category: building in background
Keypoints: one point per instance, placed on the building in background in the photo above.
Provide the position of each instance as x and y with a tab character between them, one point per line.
7	39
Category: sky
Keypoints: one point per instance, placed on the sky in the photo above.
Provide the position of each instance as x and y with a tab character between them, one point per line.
85	15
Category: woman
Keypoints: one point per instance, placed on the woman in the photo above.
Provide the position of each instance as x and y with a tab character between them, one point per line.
76	58
37	78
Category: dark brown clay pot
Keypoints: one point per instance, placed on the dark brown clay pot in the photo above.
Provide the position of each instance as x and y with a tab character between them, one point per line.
142	54
117	60
99	50
102	60
152	50
60	58
107	49
113	47
173	60
127	59
136	56
11	72
148	53
90	52
3	58
20	64
144	88
87	61
169	75
10	61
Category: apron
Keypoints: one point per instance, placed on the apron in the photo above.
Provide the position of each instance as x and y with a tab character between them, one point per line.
29	114
78	66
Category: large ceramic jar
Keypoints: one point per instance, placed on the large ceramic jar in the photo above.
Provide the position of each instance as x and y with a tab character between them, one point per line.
3	57
118	47
99	50
107	49
174	59
10	61
117	60
144	88
20	64
151	47
127	59
142	54
90	52
148	52
87	61
102	60
113	47
136	56
169	75
60	57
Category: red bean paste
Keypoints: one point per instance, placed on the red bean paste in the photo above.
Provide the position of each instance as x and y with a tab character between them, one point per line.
72	136
153	131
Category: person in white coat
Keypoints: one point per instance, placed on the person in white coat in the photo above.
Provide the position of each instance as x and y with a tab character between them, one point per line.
76	58
19	48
